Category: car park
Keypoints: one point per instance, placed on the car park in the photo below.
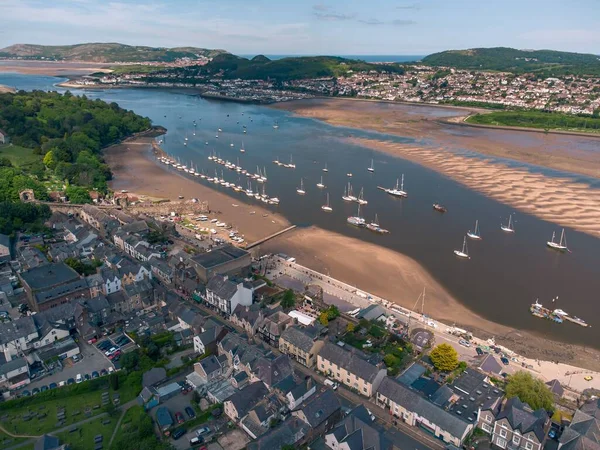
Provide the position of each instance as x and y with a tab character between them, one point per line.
190	412
196	440
70	381
178	433
103	372
25	393
87	377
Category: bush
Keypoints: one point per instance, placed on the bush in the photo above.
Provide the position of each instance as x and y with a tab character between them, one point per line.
444	357
530	390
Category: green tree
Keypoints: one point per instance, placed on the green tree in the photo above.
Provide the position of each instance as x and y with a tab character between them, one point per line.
350	327
333	312
323	319
391	360
530	390
130	360
444	357
49	160
288	300
78	195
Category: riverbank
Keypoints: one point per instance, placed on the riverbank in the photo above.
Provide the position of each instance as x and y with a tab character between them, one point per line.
6	89
136	170
445	125
400	279
52	68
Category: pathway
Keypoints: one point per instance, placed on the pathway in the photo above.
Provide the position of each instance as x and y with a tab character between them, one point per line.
125	407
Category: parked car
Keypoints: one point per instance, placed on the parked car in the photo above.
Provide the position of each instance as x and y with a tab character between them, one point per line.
78	378
111	370
35	391
44	388
196	440
25	393
464	343
552	433
70	381
92	340
103	372
52	385
331	383
95	374
201	431
179	417
190	412
479	351
75	358
178	433
505	360
87	377
216	412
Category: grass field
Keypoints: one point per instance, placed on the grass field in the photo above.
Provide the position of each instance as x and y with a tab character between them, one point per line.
540	120
83	437
9	441
19	156
129	423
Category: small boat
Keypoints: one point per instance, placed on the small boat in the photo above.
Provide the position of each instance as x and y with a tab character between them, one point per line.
326	207
349	175
249	192
274	201
276	125
560	246
374	226
398	190
509	228
219	130
361	198
291	164
464	253
180	197
301	190
206	143
325	169
231	145
242	149
320	185
474	234
345	196
372	168
439	208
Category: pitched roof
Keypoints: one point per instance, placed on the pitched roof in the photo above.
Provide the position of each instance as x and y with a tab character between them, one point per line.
49	275
272	371
555	387
412	401
249	314
246	398
350	360
299	338
320	407
584	431
22	327
47	295
359	433
371	312
210	364
163	417
222	287
218	256
13	364
490	364
154	376
521	417
289	432
46	442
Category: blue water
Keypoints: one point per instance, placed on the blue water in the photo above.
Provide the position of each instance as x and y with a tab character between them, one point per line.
366	58
506	273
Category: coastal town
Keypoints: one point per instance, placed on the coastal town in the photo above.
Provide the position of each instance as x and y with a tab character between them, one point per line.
245	351
418	84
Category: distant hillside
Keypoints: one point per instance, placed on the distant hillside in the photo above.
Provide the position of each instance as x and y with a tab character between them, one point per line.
104	52
548	62
262	68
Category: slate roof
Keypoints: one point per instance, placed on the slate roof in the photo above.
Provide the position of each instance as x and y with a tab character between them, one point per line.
13	364
320	407
521	417
490	364
246	398
349	360
584	431
219	256
9	331
411	374
210	335
289	432
411	401
249	314
210	364
555	387
473	390
72	287
272	371
371	312
163	417
222	287
358	432
297	337
154	376
49	275
97	304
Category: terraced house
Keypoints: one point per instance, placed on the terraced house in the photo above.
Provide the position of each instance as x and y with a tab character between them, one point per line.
301	344
514	425
350	367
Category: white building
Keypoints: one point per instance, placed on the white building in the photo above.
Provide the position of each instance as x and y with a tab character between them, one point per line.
225	294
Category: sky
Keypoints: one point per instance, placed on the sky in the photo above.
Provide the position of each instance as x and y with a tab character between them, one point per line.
334	27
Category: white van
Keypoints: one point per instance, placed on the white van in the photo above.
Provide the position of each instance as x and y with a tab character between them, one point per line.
331	383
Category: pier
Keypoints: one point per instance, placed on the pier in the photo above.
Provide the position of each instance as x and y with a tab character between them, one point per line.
271	236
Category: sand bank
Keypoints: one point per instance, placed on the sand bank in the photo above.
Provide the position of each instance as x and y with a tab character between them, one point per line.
401	279
558	200
52	68
6	89
434	123
136	170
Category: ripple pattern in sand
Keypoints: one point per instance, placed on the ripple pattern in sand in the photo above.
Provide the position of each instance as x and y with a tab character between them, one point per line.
555	199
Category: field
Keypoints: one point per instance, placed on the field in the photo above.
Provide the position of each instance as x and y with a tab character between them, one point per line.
539	120
18	156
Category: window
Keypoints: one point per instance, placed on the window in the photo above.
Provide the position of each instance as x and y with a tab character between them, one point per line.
516	439
528	445
501	443
503	432
488	418
365	389
486	427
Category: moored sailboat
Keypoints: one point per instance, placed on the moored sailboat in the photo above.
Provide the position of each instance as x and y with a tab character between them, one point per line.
475	234
561	246
509	228
326	207
464	253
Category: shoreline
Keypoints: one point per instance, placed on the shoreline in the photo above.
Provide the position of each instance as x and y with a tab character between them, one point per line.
136	170
329	253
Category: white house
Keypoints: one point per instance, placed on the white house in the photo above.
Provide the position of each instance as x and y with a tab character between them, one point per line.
226	294
15	373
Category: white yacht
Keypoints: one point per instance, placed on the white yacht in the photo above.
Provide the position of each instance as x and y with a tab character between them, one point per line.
326	207
320	184
561	246
398	190
372	168
509	228
301	190
325	169
464	253
474	234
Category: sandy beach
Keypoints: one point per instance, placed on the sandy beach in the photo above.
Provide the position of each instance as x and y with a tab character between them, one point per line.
52	68
558	200
135	170
401	279
6	89
430	122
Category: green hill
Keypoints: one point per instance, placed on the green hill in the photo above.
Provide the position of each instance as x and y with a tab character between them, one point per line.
547	62
285	69
104	52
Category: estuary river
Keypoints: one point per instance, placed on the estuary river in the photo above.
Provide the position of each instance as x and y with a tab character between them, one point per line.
506	272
